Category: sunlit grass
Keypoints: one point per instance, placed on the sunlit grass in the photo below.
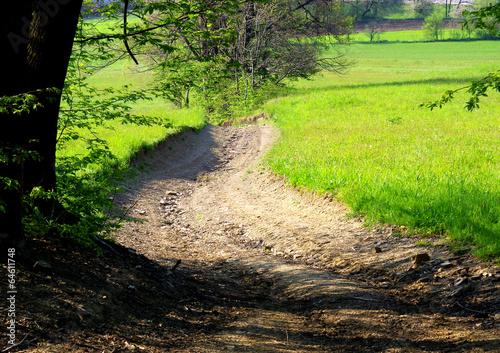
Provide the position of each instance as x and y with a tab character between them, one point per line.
411	36
363	137
125	140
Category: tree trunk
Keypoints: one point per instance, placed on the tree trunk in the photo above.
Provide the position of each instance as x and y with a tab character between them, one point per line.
36	38
186	100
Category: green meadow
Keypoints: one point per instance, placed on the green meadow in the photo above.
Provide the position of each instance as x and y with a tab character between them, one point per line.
363	137
125	140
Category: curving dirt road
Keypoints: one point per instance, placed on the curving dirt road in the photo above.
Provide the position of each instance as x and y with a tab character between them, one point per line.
302	276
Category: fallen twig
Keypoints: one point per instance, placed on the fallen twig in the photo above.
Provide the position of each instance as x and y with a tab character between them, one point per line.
471	310
99	240
367	299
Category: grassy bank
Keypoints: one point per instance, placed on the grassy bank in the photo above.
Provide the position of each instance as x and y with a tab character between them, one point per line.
363	137
125	140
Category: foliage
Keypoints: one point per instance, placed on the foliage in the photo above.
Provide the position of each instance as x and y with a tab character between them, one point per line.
422	8
14	154
476	91
371	9
86	181
234	100
486	18
433	26
483	19
23	103
372	31
275	43
87	197
265	43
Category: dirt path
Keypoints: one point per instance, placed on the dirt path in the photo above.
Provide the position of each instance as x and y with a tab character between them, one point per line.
302	277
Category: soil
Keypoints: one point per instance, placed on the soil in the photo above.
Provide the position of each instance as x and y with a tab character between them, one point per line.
225	256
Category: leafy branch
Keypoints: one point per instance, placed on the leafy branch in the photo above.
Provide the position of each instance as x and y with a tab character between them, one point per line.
476	89
23	103
487	17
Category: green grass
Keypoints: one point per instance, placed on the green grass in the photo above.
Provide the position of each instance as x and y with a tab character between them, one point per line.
364	138
430	52
125	140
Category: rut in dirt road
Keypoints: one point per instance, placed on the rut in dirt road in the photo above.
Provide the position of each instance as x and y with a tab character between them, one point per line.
304	278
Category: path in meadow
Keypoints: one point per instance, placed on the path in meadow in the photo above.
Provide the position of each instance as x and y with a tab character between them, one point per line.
300	277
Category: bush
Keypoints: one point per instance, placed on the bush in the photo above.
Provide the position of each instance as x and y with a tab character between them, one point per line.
86	195
233	100
372	31
433	26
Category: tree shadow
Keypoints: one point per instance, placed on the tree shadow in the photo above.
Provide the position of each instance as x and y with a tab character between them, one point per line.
122	299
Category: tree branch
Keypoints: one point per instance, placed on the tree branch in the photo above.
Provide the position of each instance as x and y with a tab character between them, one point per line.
125	10
303	5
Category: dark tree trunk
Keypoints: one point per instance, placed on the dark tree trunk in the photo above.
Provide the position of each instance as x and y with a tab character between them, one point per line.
36	39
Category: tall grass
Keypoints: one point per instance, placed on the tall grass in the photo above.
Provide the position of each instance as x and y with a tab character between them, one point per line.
364	138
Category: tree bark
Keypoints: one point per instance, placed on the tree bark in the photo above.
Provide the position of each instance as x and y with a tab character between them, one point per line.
36	38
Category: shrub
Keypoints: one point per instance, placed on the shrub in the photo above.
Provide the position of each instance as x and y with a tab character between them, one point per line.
433	26
372	31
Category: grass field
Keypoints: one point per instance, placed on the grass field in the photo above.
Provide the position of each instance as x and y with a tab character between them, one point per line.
364	138
412	36
126	139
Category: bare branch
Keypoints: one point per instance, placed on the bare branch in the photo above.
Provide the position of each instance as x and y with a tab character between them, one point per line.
125	10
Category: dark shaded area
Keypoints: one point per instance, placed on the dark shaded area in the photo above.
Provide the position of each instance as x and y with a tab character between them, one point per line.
119	300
